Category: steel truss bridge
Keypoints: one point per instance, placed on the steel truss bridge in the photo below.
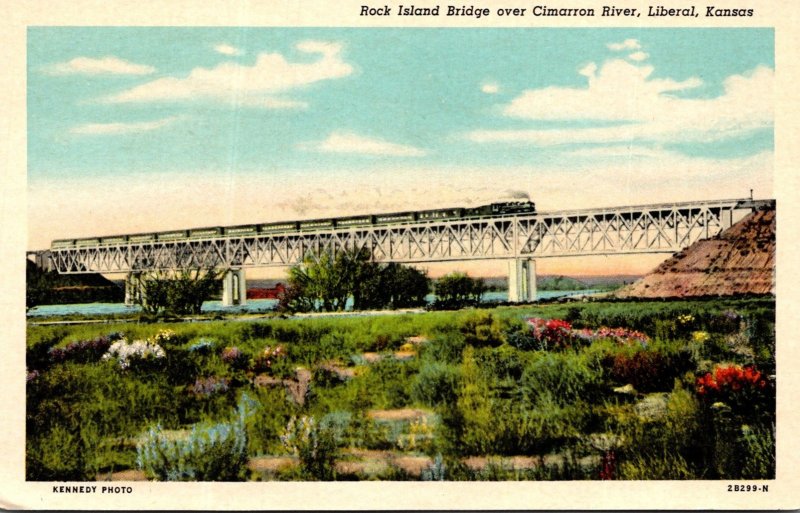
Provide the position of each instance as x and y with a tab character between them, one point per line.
518	238
662	228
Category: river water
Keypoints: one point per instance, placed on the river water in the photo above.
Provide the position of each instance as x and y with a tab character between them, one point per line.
252	306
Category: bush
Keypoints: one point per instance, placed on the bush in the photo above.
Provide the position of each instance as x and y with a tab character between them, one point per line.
60	454
524	340
435	384
482	329
744	389
567	377
551	333
139	354
77	416
267	422
270	356
444	348
647	370
84	351
211	452
758	451
234	357
315	445
436	471
476	429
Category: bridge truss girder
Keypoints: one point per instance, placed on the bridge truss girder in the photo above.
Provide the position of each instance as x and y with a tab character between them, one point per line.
624	230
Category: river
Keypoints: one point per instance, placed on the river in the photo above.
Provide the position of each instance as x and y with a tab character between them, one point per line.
252	306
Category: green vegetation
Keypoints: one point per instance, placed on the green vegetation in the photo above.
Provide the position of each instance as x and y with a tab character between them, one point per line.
328	283
598	390
457	290
176	293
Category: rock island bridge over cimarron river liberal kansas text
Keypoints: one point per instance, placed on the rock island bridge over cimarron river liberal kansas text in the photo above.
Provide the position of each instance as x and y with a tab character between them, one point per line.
512	231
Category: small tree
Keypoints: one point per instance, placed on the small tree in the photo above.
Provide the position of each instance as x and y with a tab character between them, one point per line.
407	286
457	290
179	293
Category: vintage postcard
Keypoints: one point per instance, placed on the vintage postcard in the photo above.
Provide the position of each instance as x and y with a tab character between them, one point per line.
317	255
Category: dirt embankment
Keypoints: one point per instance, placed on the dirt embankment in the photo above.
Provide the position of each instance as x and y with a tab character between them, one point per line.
741	260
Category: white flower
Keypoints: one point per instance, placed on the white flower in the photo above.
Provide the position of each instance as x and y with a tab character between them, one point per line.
124	352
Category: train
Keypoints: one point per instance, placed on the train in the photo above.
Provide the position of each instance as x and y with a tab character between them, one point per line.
286	227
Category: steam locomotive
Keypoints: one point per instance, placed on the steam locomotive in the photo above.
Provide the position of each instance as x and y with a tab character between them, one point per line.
446	214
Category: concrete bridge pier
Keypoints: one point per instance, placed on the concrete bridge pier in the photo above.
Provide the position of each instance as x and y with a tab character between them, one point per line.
521	280
133	289
234	288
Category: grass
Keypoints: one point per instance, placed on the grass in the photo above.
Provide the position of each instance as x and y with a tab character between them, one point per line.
479	396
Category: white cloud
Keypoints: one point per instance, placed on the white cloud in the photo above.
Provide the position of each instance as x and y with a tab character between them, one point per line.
226	49
103	66
490	88
633	106
348	142
638	56
121	128
257	84
628	44
589	70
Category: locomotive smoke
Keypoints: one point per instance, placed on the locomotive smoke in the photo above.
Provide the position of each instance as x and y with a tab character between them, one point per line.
516	194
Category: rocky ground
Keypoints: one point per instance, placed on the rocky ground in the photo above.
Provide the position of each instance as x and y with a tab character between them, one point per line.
741	260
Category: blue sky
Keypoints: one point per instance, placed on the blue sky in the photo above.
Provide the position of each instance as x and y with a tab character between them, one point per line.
210	126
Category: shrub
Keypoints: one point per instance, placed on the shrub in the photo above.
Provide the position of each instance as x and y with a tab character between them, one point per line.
444	348
211	452
743	388
60	454
435	384
476	429
234	357
524	340
264	361
503	364
84	351
314	444
436	471
338	423
551	333
621	336
267	423
203	346
566	377
647	370
482	329
136	353
726	322
758	448
210	386
547	334
534	426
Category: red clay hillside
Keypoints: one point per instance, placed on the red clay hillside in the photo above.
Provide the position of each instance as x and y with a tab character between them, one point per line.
740	260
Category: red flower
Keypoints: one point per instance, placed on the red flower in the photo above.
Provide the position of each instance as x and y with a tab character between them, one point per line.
731	378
